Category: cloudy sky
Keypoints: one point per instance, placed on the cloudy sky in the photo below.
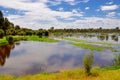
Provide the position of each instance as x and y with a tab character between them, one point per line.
36	14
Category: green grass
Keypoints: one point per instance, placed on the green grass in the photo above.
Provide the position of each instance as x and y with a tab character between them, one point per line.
77	74
3	41
87	46
34	38
89	42
111	68
98	46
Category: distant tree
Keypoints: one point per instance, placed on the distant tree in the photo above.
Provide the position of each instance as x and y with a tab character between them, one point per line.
51	28
46	33
17	27
117	28
100	28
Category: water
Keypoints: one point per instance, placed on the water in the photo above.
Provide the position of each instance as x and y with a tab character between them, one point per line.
98	37
28	57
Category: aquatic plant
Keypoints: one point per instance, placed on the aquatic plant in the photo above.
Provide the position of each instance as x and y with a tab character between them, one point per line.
117	59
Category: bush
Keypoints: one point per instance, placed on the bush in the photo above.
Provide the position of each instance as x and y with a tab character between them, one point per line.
117	59
1	33
88	61
10	39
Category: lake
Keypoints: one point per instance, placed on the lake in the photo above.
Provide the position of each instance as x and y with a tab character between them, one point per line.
97	37
29	57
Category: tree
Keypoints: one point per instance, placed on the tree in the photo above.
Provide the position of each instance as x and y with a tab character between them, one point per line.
46	33
51	28
1	33
88	61
17	27
6	24
1	14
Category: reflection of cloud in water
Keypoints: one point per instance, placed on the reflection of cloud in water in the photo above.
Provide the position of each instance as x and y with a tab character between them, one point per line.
103	58
34	57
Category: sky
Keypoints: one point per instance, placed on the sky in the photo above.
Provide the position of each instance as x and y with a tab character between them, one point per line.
36	14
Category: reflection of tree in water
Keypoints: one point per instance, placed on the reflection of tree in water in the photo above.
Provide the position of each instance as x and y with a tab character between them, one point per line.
5	53
115	38
101	37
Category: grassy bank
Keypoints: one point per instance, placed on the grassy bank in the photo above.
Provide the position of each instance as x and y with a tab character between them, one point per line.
111	73
3	41
34	38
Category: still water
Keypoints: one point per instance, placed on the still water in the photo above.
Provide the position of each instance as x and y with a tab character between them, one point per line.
29	57
97	37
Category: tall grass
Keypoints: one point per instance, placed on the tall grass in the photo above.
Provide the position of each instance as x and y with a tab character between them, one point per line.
117	59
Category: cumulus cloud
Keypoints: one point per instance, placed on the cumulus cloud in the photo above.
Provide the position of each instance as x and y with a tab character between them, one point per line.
111	7
38	15
111	14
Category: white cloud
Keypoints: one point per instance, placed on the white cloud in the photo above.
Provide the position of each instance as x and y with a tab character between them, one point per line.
75	11
87	8
110	2
74	2
61	9
112	7
98	22
39	15
71	2
111	14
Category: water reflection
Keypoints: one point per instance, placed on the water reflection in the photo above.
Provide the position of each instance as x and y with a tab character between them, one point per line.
97	37
5	52
34	57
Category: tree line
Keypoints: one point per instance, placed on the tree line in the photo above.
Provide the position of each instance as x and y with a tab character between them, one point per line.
8	28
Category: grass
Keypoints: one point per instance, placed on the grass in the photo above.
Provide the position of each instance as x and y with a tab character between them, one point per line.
87	46
89	42
98	46
34	38
78	74
3	41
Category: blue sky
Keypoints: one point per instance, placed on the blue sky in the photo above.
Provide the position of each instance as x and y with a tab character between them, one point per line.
36	14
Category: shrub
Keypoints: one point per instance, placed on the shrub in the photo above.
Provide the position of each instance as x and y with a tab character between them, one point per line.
10	39
1	33
88	61
117	59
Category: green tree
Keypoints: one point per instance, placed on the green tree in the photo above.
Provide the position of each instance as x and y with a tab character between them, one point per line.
88	61
1	33
17	27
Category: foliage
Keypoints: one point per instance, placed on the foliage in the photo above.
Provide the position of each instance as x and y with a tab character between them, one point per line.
88	61
117	59
1	33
